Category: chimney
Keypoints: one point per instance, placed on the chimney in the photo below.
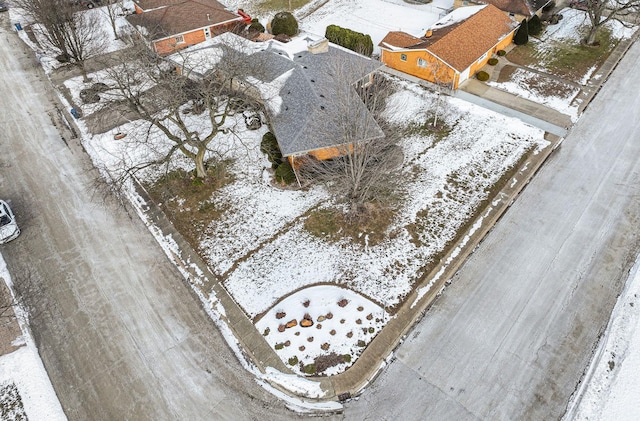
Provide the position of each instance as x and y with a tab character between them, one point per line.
319	46
208	17
428	34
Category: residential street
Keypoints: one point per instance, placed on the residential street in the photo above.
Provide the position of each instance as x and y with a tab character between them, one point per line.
121	335
512	334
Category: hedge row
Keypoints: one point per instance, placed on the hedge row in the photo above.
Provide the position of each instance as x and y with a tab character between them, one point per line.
354	41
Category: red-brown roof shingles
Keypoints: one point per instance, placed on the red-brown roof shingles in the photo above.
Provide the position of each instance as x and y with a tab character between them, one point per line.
181	16
459	44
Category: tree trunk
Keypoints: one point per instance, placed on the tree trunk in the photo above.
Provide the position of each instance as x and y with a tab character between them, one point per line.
591	37
201	172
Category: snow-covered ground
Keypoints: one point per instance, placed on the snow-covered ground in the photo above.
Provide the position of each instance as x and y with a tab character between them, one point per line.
24	384
272	265
612	389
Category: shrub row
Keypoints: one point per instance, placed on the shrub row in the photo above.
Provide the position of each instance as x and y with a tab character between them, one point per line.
354	41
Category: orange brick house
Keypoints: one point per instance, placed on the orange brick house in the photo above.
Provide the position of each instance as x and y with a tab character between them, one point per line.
170	25
454	49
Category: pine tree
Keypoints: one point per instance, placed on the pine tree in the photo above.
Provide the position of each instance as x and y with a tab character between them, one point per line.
522	34
535	25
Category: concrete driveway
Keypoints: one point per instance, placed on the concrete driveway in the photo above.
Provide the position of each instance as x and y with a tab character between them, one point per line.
120	334
512	335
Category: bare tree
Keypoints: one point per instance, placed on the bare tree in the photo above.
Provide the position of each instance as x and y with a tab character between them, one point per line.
184	104
442	83
113	9
76	34
369	159
602	11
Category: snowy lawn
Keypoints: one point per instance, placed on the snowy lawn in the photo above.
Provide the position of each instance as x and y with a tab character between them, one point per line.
559	50
255	235
258	244
564	63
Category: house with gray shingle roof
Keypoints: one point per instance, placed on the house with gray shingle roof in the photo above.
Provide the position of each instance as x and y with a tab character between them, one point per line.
308	87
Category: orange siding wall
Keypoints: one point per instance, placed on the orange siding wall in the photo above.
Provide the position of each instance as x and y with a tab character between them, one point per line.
475	67
169	45
443	72
138	9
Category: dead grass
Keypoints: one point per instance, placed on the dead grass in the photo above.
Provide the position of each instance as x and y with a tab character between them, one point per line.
186	200
280	5
538	84
569	60
334	225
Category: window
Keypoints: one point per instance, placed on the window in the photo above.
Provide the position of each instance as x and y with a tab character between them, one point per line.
207	33
180	39
422	62
403	57
485	55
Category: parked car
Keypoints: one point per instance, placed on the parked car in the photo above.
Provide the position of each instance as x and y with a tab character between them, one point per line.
8	225
3	7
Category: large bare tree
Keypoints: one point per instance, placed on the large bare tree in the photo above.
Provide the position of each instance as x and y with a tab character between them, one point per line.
367	169
182	104
600	12
74	33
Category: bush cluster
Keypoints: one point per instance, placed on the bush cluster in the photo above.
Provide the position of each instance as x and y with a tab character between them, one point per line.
284	173
284	23
492	61
269	146
501	53
256	26
354	41
482	76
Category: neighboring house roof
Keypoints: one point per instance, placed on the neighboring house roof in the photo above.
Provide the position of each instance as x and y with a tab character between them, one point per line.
180	16
298	89
459	38
518	7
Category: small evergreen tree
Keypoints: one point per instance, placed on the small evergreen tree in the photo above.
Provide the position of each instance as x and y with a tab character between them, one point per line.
535	26
284	23
256	26
522	34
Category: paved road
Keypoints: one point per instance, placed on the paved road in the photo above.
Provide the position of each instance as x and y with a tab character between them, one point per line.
121	336
513	333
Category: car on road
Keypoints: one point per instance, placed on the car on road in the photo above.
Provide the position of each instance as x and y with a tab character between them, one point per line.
8	225
3	7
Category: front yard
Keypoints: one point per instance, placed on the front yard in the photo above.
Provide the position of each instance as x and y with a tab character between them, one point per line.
316	287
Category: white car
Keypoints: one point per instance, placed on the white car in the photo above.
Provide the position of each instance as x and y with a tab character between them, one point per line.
8	225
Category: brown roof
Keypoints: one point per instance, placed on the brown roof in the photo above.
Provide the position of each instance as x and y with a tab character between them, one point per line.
180	16
459	44
519	7
399	40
